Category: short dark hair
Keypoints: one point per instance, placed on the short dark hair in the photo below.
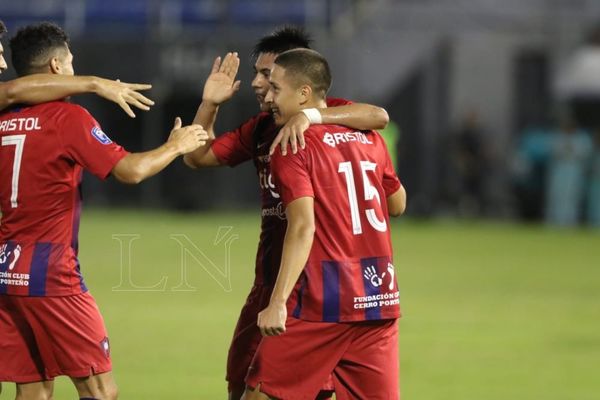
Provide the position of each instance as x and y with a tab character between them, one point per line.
34	44
307	66
282	39
2	29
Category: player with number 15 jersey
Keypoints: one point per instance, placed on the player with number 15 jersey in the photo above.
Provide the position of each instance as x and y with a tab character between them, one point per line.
349	275
335	302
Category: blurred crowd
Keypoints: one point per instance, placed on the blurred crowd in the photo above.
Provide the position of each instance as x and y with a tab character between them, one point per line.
553	167
556	175
559	166
554	172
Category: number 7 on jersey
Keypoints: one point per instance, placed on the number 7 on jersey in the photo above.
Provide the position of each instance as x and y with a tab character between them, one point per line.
19	142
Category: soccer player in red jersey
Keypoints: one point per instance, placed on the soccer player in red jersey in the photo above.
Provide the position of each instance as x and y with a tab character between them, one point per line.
39	88
335	302
252	141
49	323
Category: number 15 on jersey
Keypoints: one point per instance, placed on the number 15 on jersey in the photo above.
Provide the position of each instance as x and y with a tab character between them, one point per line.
370	193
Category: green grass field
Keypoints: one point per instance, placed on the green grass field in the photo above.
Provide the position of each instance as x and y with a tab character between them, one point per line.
491	311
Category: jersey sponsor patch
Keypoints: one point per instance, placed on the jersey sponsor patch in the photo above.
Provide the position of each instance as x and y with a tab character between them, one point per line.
100	136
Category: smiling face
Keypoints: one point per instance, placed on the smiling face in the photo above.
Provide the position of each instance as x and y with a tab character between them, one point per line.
285	97
260	83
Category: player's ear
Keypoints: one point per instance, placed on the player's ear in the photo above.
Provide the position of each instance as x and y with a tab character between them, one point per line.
55	65
305	93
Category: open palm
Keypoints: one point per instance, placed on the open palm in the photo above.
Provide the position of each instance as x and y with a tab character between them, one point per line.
221	85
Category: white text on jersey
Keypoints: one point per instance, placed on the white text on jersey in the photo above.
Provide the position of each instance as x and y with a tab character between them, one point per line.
20	125
333	139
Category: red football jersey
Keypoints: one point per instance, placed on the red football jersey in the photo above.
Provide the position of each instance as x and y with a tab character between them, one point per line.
251	141
43	152
349	275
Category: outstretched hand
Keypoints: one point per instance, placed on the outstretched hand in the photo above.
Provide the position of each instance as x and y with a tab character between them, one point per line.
125	94
292	134
221	85
187	138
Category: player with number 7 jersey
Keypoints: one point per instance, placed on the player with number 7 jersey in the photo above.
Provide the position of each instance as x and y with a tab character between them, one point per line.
50	324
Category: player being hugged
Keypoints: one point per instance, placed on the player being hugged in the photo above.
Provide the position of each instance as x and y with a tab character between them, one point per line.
49	323
40	88
255	141
335	301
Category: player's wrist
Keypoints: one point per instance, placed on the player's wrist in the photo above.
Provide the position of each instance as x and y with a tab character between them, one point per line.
277	301
314	115
93	84
172	147
209	103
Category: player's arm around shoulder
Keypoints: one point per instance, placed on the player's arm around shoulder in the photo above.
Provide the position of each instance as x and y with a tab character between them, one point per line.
8	94
359	116
41	88
339	112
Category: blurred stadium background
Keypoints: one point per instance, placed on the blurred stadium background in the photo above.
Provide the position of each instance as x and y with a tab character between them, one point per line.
496	107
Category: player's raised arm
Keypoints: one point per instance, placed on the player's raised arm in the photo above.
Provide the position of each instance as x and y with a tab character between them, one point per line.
220	86
358	116
40	88
135	167
296	248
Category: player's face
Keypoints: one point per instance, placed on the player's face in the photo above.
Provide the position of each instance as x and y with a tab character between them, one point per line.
284	99
262	72
3	65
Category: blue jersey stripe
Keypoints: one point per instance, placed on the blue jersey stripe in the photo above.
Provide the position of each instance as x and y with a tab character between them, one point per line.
81	282
76	217
39	269
298	308
331	291
370	290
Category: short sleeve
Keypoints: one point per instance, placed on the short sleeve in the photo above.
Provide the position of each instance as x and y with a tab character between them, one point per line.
86	144
291	176
336	102
235	147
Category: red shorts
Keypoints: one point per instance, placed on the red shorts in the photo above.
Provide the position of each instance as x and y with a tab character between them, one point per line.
362	357
247	337
44	337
